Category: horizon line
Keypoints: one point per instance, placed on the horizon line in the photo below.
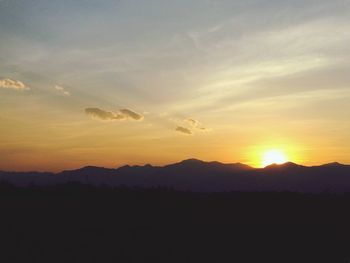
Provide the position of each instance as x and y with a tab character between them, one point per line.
176	162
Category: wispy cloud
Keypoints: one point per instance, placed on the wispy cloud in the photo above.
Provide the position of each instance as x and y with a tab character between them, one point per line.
189	126
104	115
183	130
13	84
62	90
195	124
100	114
192	122
131	114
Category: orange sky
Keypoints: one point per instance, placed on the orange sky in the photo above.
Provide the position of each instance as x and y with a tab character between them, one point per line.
126	83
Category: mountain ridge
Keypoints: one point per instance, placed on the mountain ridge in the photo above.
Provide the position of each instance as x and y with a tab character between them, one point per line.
198	175
190	160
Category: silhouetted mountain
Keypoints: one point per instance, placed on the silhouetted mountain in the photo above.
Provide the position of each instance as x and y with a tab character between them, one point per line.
193	167
197	175
89	170
28	178
288	165
136	170
334	164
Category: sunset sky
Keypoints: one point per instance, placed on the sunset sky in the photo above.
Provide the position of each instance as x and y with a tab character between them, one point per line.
116	82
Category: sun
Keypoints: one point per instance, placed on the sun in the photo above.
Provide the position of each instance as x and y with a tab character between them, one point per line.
274	157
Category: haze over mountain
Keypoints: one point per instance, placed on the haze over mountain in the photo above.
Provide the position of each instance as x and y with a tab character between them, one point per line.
197	175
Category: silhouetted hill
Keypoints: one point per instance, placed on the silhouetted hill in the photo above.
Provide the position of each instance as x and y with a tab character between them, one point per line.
89	170
288	165
334	164
192	167
136	170
197	175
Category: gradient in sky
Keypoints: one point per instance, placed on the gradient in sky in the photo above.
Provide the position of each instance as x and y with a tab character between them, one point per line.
113	82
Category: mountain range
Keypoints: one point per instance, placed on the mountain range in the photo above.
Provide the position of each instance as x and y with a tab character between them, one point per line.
197	175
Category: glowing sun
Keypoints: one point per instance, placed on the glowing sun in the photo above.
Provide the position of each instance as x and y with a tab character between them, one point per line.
274	157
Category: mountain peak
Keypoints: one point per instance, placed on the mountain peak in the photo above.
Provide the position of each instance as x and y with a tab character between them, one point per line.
283	165
333	164
192	160
91	167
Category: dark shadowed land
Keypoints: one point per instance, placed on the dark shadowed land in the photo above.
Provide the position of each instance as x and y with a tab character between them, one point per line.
81	223
82	216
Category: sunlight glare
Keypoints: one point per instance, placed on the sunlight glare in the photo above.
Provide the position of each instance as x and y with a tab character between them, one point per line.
274	157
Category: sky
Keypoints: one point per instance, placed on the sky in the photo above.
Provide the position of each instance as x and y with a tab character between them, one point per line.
115	82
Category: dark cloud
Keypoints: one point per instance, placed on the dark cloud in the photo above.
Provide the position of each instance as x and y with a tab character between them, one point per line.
131	114
184	130
113	116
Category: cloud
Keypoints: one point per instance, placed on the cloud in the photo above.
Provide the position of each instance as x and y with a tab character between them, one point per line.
195	124
122	114
183	130
62	90
104	115
12	84
192	122
189	126
131	114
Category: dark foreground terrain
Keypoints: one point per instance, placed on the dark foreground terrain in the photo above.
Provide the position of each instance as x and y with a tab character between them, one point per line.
80	223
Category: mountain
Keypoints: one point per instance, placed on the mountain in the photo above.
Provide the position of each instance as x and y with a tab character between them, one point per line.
290	165
89	170
136	170
334	164
197	175
192	167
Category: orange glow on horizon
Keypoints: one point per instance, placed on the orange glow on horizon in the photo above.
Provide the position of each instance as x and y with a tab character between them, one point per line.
275	152
274	157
